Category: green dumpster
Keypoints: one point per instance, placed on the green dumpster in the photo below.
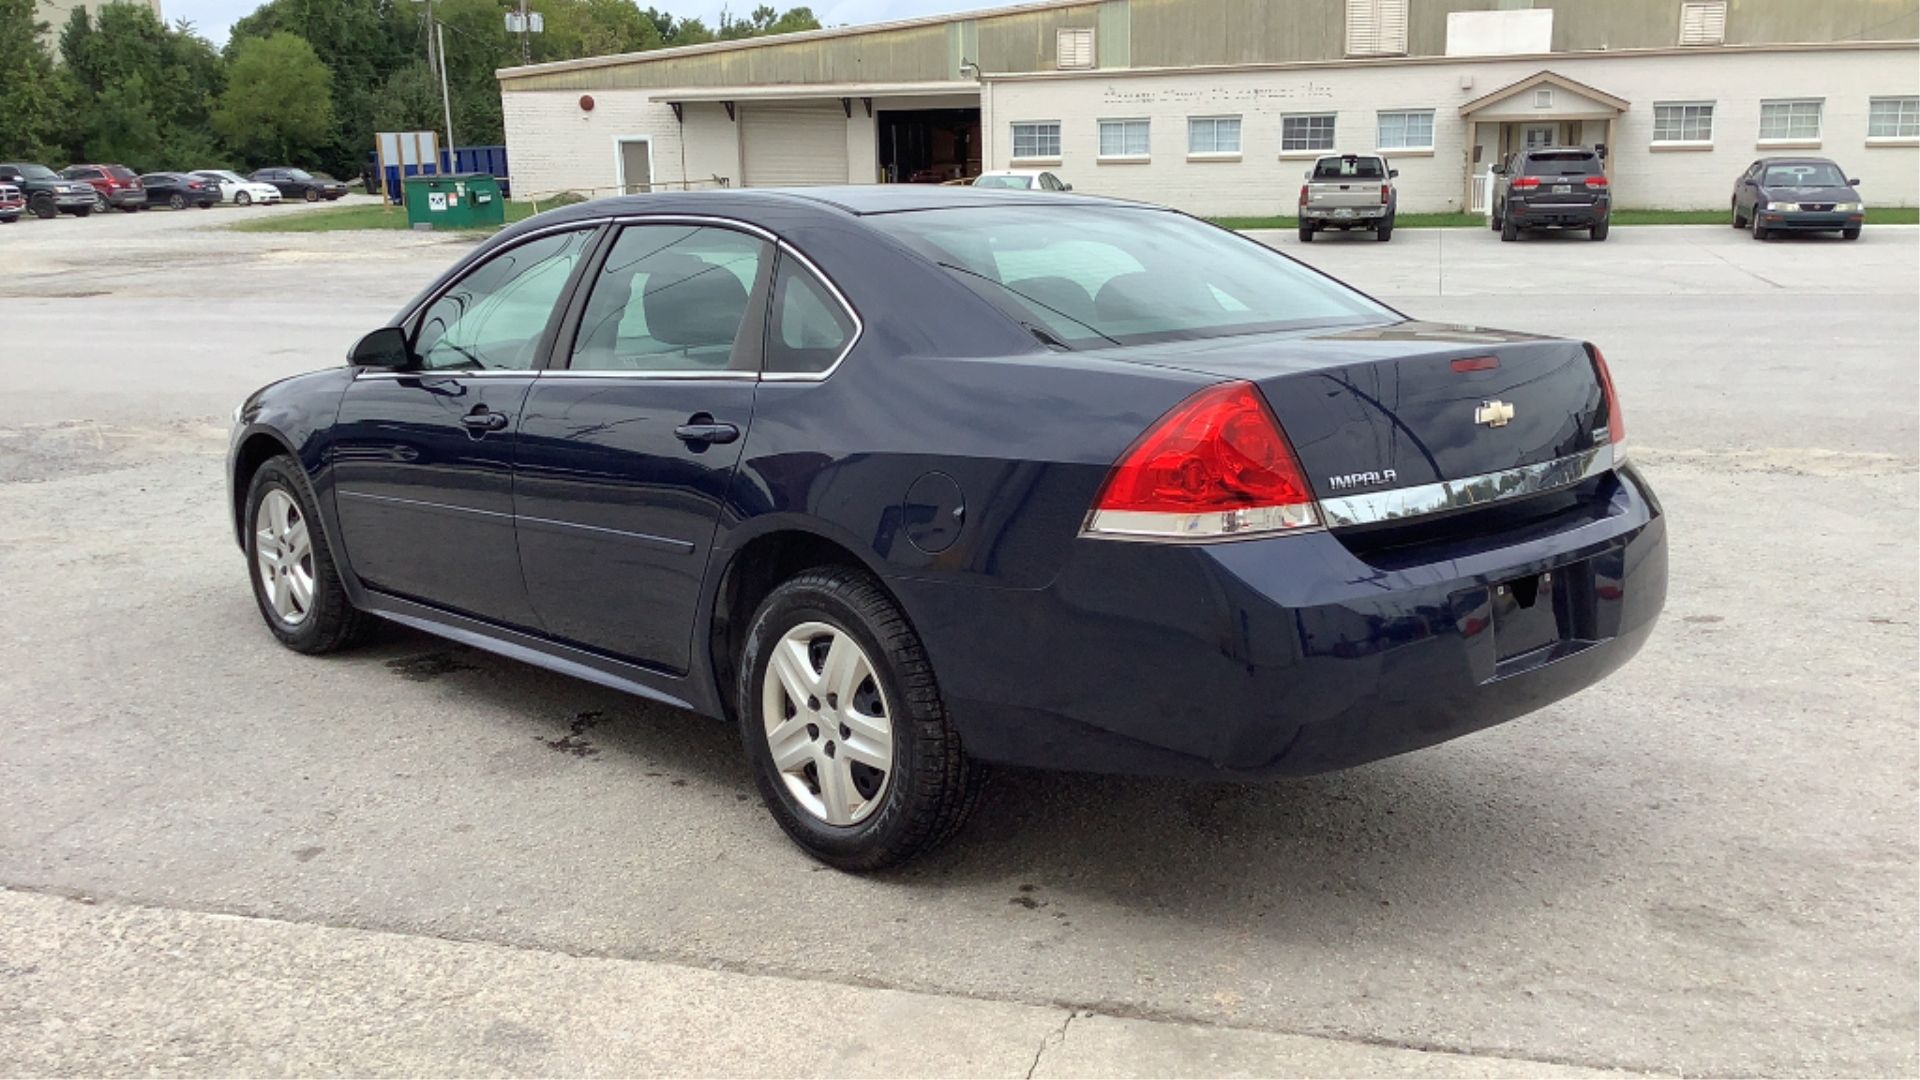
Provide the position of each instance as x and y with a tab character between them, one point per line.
455	201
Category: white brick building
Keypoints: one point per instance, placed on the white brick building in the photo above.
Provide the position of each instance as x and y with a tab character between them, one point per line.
1225	120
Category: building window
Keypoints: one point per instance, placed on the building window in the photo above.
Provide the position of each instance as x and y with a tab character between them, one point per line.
1543	98
1073	48
1123	139
1796	121
1410	129
1213	135
1310	131
1037	140
1893	118
1683	121
1703	22
1376	27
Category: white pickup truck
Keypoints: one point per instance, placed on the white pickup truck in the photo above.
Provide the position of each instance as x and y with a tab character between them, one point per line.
1348	191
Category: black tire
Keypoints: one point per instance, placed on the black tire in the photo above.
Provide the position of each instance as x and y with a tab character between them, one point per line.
79	211
1599	232
1738	221
241	198
1508	230
1384	231
204	205
1759	231
100	202
1306	233
8	219
332	623
1850	234
1493	219
43	207
133	208
932	786
313	195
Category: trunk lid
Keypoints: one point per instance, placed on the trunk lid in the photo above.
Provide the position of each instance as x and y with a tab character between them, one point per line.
1411	403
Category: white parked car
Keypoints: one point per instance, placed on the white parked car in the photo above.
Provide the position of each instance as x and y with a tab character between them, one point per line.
239	190
1022	180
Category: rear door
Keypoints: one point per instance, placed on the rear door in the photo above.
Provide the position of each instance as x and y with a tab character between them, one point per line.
628	445
423	459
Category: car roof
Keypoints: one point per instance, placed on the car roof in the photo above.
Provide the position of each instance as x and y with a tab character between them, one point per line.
1798	161
1013	172
857	199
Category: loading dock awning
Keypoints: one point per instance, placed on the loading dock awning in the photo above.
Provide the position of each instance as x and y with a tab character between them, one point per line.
820	91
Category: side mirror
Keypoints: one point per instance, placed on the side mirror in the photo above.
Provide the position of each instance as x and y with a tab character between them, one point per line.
1853	183
382	348
1064	186
1498	170
1391	173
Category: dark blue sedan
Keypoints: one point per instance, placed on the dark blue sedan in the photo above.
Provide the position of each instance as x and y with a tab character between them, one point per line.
904	480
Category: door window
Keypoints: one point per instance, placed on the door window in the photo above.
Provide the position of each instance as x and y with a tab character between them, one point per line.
494	317
810	328
669	298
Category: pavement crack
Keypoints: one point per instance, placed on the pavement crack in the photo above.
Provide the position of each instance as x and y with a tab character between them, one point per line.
1051	1038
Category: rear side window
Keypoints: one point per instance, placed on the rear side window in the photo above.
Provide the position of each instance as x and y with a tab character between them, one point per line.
669	298
120	172
1562	164
1349	169
810	329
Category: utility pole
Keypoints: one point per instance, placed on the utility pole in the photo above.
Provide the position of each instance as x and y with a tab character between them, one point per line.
446	102
526	40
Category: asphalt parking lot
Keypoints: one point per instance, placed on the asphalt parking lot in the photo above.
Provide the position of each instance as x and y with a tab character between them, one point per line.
1707	864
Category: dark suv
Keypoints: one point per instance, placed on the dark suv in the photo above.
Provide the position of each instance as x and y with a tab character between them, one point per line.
113	186
1551	187
47	193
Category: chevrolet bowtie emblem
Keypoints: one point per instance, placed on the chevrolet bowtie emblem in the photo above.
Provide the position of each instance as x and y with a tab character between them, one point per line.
1493	413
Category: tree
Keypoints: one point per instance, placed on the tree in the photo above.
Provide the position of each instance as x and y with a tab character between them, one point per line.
31	105
141	92
362	43
279	102
576	28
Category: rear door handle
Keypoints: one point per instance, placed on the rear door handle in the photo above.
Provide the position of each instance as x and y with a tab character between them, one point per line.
702	429
484	419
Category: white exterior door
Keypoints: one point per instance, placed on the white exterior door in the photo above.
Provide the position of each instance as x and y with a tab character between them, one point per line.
1540	135
793	145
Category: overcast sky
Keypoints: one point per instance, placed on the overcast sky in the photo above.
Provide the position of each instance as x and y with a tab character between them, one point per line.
212	17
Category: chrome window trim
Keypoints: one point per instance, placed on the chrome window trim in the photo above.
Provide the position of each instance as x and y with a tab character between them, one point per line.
681	374
1400	504
859	325
524	238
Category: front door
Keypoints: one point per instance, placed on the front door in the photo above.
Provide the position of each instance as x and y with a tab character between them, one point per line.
629	447
423	458
636	166
1536	135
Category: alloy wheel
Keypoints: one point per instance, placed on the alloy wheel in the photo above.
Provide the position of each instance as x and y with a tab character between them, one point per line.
284	548
242	199
827	722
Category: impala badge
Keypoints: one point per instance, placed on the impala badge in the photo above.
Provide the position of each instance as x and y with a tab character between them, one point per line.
1493	413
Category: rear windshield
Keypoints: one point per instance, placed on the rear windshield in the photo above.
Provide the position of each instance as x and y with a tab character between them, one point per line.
36	172
1805	174
1004	181
1563	163
1089	276
119	172
1366	168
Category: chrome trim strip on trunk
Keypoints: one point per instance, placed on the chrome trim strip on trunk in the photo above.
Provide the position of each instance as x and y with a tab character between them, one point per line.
1376	507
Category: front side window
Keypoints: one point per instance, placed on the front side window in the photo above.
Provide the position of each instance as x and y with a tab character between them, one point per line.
1797	120
1410	129
494	318
1092	276
810	329
1020	183
1037	140
1893	118
1683	121
1307	131
1213	135
1124	138
669	298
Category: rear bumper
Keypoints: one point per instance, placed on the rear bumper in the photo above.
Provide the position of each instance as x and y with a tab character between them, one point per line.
1353	215
1285	656
125	197
1810	220
1547	215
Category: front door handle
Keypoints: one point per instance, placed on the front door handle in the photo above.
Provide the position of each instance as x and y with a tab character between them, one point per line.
702	429
483	419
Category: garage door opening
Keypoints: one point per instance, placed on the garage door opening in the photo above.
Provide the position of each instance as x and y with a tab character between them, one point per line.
928	146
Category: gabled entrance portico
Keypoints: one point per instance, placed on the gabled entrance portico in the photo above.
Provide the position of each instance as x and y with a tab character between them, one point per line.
1543	109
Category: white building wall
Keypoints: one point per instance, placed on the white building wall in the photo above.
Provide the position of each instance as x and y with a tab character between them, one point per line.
1263	181
554	145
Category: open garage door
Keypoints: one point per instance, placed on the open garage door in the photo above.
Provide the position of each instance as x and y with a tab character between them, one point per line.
793	145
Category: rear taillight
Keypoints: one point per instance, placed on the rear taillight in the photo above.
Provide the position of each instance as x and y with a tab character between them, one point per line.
1525	183
1385	190
1216	467
1596	183
1616	425
1303	194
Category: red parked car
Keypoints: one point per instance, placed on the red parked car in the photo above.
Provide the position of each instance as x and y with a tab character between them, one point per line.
113	186
11	203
